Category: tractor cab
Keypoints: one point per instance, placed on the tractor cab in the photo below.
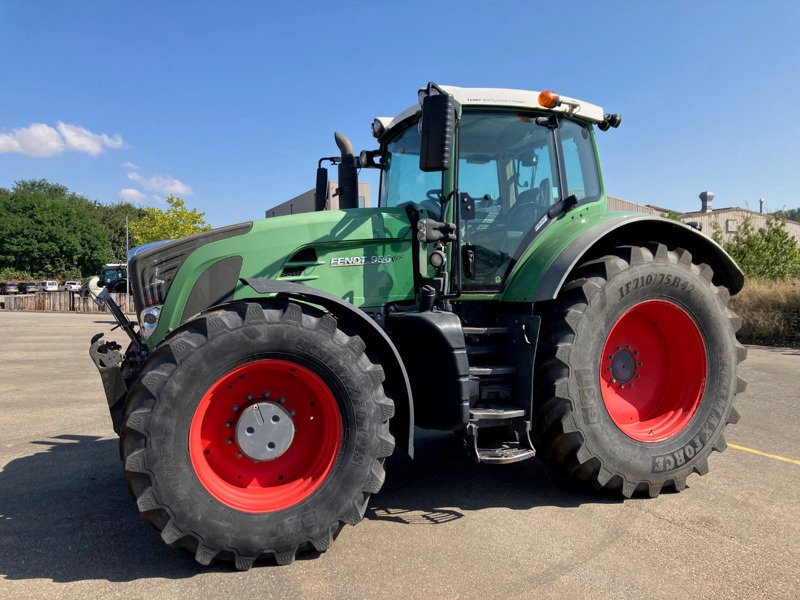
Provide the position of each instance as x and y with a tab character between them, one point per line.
499	165
512	168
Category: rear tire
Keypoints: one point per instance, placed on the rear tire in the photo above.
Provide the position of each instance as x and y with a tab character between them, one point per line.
637	371
191	472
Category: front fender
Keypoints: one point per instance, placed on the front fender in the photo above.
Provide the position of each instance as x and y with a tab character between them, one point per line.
542	277
402	425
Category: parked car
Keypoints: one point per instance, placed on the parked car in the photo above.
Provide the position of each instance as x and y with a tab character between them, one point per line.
48	286
9	288
71	286
27	287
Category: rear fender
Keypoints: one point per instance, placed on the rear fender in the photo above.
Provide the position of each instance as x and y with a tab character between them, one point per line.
601	238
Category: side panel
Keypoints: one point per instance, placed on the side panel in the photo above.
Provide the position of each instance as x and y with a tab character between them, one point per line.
361	255
587	236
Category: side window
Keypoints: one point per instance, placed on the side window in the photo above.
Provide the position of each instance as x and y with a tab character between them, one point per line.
402	180
535	172
478	178
580	168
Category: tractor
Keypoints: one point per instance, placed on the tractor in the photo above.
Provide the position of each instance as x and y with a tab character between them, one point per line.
277	364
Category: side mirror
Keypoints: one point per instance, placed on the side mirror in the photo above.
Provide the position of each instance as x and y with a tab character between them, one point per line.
321	190
437	130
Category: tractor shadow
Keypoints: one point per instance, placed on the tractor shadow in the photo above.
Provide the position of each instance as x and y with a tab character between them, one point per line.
443	483
66	515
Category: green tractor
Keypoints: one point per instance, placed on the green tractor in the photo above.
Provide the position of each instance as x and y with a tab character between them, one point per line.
276	364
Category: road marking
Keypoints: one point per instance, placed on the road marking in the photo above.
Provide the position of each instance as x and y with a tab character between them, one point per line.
760	453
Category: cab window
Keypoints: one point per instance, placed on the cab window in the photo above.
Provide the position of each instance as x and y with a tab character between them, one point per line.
401	179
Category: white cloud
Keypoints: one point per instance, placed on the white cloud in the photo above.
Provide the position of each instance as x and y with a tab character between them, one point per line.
130	165
82	140
34	140
131	195
40	140
161	185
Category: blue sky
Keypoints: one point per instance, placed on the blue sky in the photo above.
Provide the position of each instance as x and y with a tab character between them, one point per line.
231	104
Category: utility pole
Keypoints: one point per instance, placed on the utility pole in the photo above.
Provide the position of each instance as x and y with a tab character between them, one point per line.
127	269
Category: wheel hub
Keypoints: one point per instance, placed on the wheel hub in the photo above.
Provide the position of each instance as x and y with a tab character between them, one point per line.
623	366
264	431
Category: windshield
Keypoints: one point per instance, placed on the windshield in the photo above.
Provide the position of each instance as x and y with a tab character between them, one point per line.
402	181
508	165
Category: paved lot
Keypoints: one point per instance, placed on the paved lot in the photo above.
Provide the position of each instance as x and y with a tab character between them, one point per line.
443	527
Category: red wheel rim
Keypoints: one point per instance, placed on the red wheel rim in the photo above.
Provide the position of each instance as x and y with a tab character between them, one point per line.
249	485
653	371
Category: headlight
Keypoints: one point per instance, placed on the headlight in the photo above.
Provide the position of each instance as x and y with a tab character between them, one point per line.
148	321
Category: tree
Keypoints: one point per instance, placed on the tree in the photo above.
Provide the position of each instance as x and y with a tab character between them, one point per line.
793	214
48	231
175	222
112	218
767	253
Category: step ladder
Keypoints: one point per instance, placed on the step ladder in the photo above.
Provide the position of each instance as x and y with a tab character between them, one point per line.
494	414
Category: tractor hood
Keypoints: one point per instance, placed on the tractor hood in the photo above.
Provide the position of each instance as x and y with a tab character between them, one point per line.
362	255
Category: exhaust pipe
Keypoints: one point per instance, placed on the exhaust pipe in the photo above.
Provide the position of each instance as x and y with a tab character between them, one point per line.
348	173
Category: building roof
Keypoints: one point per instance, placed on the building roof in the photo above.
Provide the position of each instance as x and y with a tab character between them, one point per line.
507	98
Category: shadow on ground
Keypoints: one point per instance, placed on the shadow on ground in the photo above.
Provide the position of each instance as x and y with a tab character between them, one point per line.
66	515
443	483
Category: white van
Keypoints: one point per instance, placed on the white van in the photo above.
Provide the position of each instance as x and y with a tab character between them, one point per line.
48	286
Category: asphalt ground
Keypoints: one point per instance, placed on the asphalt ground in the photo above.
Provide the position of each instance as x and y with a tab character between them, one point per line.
442	527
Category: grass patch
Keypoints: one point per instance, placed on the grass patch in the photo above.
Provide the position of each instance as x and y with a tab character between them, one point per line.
770	312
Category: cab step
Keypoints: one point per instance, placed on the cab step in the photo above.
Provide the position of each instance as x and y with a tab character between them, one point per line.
492	371
474	331
495	413
506	452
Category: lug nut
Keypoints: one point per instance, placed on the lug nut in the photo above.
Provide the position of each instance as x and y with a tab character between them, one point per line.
249	396
229	441
639	364
235	407
266	393
291	412
227	423
238	455
282	400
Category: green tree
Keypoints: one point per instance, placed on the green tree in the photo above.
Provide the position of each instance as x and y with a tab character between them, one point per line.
716	233
48	231
767	253
177	221
793	214
111	217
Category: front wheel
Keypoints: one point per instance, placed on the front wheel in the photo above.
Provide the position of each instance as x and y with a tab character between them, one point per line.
256	430
639	371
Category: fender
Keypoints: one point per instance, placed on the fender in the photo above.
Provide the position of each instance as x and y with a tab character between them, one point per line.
402	424
605	235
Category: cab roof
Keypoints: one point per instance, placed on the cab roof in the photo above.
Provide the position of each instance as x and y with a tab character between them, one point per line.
506	98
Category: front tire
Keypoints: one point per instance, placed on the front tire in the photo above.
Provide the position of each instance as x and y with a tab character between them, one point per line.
638	371
256	430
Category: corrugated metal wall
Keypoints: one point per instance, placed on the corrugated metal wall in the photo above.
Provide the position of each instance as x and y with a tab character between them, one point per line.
729	220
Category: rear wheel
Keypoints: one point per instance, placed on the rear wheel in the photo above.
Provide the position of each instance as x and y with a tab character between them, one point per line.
256	431
637	371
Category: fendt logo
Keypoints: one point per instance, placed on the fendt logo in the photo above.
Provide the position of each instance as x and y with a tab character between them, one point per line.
363	261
